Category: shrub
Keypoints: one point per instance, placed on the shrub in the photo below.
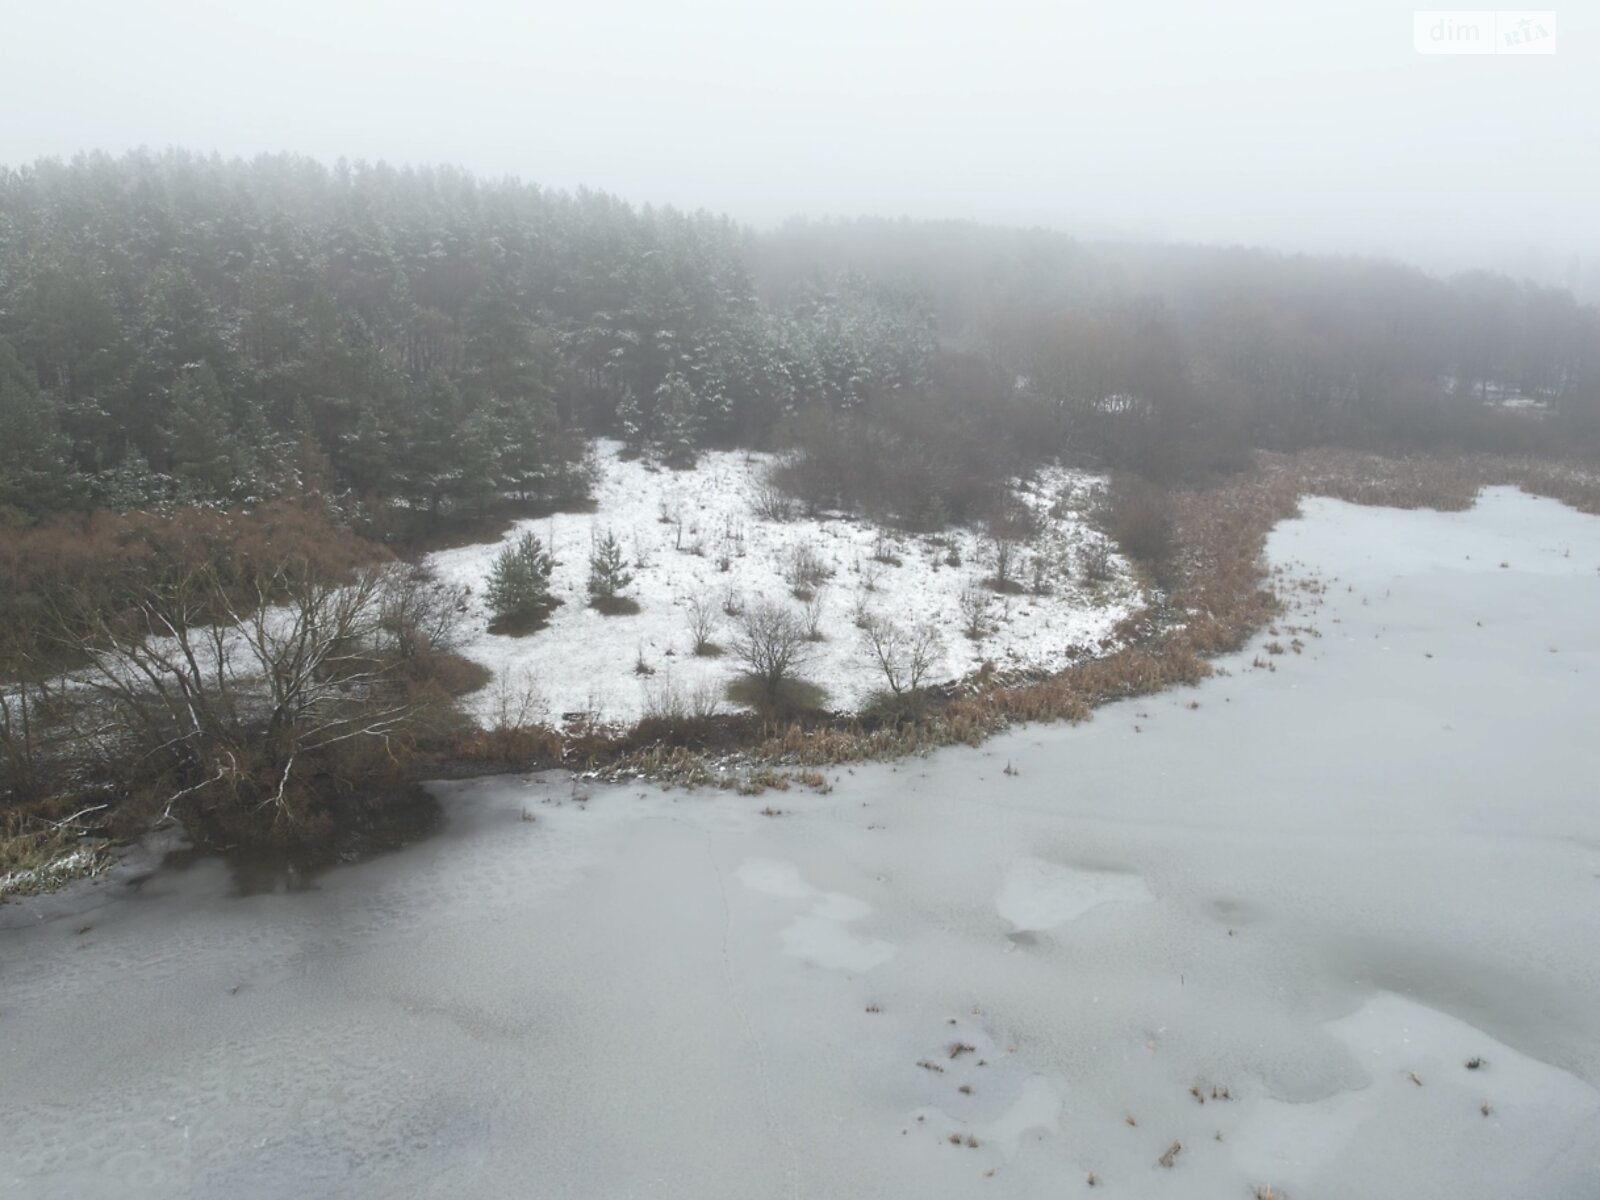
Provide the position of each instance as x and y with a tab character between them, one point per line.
419	613
252	726
804	571
1140	522
771	502
1094	559
668	702
812	619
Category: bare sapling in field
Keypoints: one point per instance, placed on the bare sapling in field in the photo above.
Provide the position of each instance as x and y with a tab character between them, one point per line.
516	701
1005	556
805	571
701	615
668	701
904	657
811	617
974	606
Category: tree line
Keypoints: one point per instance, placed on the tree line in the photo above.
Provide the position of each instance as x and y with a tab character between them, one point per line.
176	328
1176	361
185	329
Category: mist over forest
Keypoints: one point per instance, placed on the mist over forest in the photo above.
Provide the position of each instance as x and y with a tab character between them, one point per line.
183	328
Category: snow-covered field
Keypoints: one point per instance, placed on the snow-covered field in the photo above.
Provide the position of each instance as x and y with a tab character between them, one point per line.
699	535
1330	929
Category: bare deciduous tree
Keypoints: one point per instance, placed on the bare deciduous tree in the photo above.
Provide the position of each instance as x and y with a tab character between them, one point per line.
772	645
1005	554
419	612
904	657
245	691
811	618
515	701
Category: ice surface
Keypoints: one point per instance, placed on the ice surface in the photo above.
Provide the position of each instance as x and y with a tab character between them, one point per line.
1375	862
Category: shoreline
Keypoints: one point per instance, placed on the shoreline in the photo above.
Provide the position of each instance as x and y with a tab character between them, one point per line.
1225	593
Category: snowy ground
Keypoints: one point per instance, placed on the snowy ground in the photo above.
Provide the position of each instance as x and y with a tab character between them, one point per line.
1271	919
698	534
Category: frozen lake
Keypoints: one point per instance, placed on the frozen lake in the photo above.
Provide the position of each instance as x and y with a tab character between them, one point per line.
1307	902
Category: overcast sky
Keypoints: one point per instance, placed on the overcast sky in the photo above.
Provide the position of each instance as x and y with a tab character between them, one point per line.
1292	124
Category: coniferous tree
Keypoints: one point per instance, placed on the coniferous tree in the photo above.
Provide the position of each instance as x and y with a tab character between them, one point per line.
477	480
524	465
33	469
204	453
131	484
633	421
608	572
518	588
678	443
369	458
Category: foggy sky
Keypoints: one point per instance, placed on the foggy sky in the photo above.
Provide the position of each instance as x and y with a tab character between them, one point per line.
1276	122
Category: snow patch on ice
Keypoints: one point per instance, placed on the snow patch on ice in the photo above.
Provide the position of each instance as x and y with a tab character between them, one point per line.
818	936
1037	1107
1420	1091
1039	895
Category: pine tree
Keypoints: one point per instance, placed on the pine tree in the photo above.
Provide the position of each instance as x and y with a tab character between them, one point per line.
204	452
518	588
132	484
369	461
427	459
678	443
478	479
33	469
608	575
524	466
632	420
502	360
